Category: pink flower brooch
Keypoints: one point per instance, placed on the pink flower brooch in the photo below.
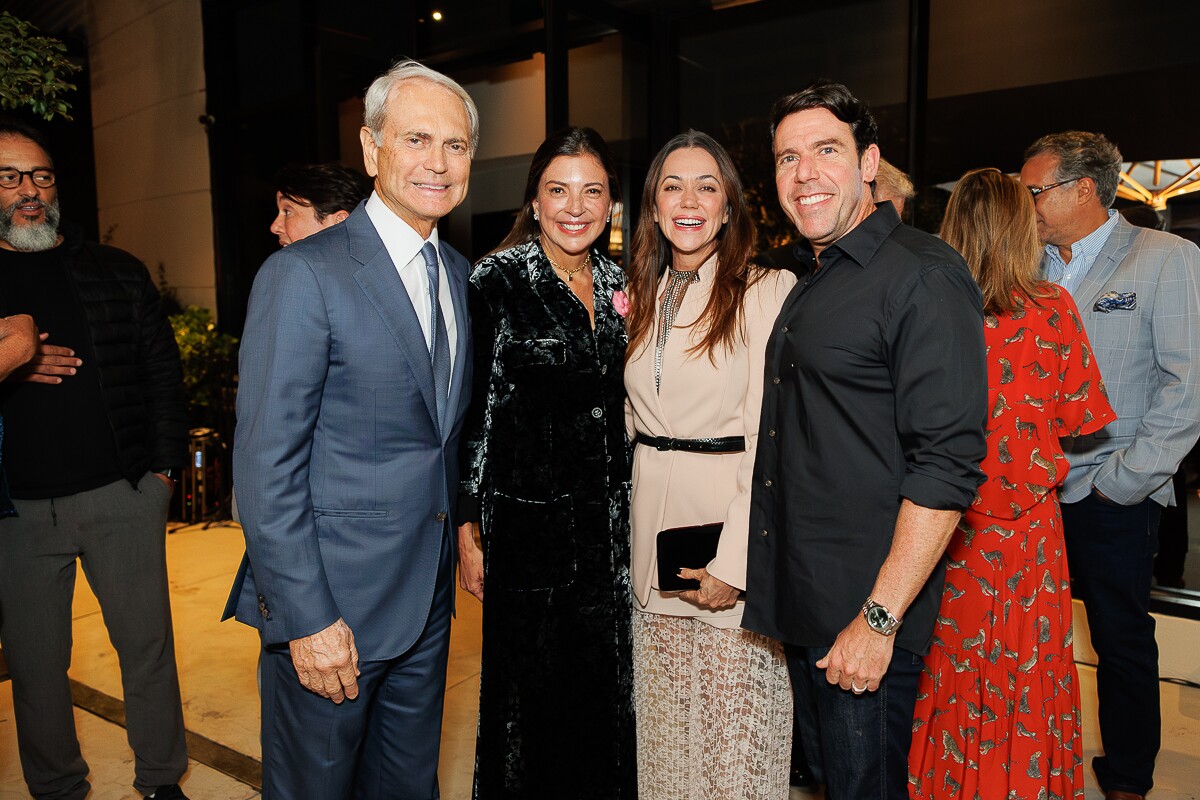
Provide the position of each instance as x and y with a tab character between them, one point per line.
621	302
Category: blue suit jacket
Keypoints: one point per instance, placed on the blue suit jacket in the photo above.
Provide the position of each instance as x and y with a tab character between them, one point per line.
345	484
1149	356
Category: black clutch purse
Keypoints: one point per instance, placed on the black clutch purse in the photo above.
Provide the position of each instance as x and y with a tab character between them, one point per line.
685	548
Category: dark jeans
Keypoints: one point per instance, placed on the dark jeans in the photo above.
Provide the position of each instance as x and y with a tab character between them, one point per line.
1110	553
1173	536
857	745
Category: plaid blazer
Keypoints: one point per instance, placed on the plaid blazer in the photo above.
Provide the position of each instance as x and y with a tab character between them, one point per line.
1149	356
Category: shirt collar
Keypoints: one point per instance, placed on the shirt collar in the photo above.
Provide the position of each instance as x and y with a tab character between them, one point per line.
1089	246
402	242
862	241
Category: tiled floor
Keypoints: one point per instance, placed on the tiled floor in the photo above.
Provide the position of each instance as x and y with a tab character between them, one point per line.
220	700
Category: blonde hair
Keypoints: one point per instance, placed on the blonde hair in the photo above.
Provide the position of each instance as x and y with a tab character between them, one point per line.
991	221
891	182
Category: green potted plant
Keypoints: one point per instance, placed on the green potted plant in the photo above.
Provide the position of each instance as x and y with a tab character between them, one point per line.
209	358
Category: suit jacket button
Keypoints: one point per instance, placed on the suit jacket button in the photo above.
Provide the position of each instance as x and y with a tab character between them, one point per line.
597	413
441	516
262	607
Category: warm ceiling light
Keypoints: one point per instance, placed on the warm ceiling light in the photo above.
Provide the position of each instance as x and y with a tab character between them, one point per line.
437	16
1156	182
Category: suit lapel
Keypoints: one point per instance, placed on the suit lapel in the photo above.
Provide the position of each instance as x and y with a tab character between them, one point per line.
381	284
1109	257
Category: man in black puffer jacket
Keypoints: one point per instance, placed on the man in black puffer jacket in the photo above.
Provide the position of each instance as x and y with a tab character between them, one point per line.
95	435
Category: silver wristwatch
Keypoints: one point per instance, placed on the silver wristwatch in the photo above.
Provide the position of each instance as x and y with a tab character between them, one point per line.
879	618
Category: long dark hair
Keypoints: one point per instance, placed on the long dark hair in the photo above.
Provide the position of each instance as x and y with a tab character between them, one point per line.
572	141
651	255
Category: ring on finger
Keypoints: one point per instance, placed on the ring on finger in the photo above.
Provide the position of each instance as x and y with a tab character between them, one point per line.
854	687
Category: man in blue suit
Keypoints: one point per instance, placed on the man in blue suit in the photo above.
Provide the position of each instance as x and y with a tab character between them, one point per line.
355	375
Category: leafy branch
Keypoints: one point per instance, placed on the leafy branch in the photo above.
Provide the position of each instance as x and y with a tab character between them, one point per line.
33	69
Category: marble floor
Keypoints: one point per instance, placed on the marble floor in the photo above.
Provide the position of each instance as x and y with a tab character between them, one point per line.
220	701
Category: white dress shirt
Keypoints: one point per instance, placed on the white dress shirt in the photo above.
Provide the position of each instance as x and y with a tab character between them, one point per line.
404	246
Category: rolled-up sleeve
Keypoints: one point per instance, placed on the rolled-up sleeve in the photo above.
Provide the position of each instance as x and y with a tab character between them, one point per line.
937	357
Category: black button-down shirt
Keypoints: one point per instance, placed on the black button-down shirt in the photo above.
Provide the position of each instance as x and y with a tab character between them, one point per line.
876	388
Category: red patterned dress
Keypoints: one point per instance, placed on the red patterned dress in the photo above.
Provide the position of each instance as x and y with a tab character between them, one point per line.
997	712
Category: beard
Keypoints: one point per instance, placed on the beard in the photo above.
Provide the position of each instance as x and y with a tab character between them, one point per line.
30	237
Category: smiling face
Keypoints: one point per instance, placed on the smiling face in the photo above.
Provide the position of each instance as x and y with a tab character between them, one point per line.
572	205
690	206
28	214
823	184
423	161
296	221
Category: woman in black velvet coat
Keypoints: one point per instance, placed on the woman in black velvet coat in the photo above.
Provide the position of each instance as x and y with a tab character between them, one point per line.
547	476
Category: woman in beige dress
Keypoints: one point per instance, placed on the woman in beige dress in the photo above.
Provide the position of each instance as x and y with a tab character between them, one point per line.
713	702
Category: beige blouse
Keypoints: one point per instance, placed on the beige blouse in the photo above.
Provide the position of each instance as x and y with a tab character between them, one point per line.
699	398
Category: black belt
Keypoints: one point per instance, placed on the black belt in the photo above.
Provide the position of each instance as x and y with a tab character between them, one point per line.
720	444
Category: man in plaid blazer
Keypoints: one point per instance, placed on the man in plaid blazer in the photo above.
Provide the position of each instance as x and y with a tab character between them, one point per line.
1137	292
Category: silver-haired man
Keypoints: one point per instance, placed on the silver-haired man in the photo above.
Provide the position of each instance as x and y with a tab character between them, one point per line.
355	375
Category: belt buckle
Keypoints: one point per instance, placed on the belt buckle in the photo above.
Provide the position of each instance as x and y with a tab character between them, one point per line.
665	444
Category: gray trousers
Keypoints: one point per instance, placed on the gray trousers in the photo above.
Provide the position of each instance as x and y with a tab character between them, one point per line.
118	534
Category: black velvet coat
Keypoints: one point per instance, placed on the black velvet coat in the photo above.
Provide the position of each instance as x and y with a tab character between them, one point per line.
547	468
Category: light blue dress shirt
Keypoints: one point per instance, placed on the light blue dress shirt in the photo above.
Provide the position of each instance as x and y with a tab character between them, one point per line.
1083	255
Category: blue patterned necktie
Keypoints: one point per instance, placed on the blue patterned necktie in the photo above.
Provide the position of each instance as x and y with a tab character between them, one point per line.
439	342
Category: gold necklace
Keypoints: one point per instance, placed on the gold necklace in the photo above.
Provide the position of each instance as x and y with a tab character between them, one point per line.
570	273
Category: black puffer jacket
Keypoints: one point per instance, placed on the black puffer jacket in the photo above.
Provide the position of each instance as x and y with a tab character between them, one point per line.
140	375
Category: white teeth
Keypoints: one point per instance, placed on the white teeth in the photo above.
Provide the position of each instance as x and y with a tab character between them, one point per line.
816	198
689	223
576	226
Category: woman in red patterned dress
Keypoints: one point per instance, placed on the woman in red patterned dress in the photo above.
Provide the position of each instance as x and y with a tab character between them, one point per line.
997	712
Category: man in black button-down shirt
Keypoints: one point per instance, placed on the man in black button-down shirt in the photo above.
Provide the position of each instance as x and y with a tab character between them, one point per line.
870	441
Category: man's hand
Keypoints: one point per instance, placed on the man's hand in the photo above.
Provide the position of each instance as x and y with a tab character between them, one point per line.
470	561
859	658
327	662
713	594
18	342
49	364
170	484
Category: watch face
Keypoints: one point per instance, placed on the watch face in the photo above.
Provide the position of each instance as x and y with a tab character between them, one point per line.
878	617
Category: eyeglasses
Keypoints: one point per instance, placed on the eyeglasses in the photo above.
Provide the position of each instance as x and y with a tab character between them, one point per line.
41	178
1036	190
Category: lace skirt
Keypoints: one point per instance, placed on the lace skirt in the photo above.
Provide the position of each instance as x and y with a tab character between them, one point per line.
714	711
